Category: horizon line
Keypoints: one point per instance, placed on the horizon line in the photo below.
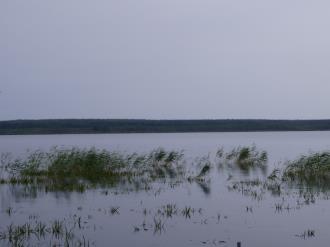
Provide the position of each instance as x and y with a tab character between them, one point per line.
170	119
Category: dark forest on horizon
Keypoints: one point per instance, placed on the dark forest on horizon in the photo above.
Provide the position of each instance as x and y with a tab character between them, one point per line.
87	126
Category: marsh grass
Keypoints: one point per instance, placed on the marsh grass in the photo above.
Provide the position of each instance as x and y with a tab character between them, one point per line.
78	169
57	228
202	176
243	158
59	232
168	210
114	210
159	226
310	170
306	234
9	211
308	176
187	212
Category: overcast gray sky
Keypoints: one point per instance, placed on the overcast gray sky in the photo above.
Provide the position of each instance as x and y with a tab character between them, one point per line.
164	59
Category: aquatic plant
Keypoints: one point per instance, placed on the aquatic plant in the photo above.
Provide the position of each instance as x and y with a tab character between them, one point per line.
168	210
77	169
206	169
159	226
187	212
274	175
242	158
57	228
114	210
306	234
311	170
60	232
41	228
204	165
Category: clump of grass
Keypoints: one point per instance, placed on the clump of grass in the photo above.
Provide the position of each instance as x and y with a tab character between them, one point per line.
9	211
164	163
57	228
16	234
41	229
313	169
38	232
159	226
77	168
306	234
204	165
274	175
254	189
114	210
243	158
187	212
205	170
168	210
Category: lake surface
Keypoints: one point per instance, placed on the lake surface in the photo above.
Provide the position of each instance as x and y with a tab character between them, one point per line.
211	215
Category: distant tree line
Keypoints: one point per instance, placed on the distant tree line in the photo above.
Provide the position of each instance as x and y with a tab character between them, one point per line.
77	126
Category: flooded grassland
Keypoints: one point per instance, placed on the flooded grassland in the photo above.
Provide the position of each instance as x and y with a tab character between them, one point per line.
100	195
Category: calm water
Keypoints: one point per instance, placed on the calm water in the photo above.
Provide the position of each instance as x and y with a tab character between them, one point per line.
220	217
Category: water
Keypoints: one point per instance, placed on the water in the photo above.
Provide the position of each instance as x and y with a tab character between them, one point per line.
220	217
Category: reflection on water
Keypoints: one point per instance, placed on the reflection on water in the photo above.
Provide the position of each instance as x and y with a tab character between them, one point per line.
222	209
